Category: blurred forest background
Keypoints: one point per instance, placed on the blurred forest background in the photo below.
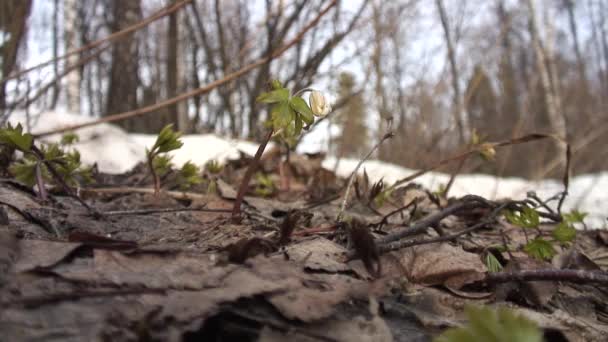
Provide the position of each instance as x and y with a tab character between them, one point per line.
441	69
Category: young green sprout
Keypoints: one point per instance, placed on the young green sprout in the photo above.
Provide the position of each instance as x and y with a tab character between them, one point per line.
167	140
289	114
49	162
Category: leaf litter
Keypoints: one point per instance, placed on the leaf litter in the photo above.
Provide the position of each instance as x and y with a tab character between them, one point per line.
175	267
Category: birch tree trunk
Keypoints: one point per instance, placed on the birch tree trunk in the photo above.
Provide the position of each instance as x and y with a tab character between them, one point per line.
70	13
556	119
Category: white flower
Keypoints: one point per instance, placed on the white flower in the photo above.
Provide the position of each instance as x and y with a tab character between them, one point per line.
319	105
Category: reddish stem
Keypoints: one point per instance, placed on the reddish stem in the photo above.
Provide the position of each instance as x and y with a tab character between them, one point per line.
154	174
236	210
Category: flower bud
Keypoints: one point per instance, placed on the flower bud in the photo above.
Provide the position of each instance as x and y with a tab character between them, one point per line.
319	105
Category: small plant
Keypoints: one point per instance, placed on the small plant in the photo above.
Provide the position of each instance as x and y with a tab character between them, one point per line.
49	163
289	114
265	186
189	175
213	167
488	325
492	263
539	247
167	140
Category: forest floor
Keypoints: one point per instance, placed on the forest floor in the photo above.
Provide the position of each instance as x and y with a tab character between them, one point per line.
177	267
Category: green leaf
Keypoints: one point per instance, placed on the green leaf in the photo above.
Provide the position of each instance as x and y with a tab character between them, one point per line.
526	218
69	138
564	232
25	171
274	96
301	107
282	115
492	263
488	325
540	248
162	164
14	136
189	175
298	126
575	216
213	167
167	140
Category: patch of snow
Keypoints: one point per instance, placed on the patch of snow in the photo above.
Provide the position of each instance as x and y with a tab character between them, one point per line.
115	151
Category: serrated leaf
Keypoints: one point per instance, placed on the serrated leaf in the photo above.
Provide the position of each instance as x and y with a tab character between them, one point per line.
15	137
274	96
488	325
301	107
25	172
564	232
526	218
540	248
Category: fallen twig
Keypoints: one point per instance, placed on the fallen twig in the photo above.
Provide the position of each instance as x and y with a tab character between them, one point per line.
572	276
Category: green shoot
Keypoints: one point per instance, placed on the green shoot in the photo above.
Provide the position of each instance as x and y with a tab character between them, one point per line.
213	167
189	175
265	186
540	249
167	140
492	263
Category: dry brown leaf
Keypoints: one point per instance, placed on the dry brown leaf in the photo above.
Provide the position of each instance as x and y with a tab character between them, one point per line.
319	254
42	254
442	264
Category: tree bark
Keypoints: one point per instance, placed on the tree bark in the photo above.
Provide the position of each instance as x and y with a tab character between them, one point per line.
124	80
555	117
71	42
13	19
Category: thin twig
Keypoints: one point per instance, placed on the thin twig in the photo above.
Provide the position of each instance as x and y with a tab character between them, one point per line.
420	226
162	211
409	243
396	211
572	276
353	175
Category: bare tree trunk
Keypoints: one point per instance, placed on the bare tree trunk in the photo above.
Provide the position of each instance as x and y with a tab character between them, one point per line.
71	42
124	80
555	117
172	70
457	101
595	38
13	18
577	50
604	37
56	87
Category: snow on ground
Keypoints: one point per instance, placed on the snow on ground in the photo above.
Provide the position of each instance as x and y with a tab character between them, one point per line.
115	151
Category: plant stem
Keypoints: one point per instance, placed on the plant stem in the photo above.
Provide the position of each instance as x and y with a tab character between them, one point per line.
236	210
154	174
